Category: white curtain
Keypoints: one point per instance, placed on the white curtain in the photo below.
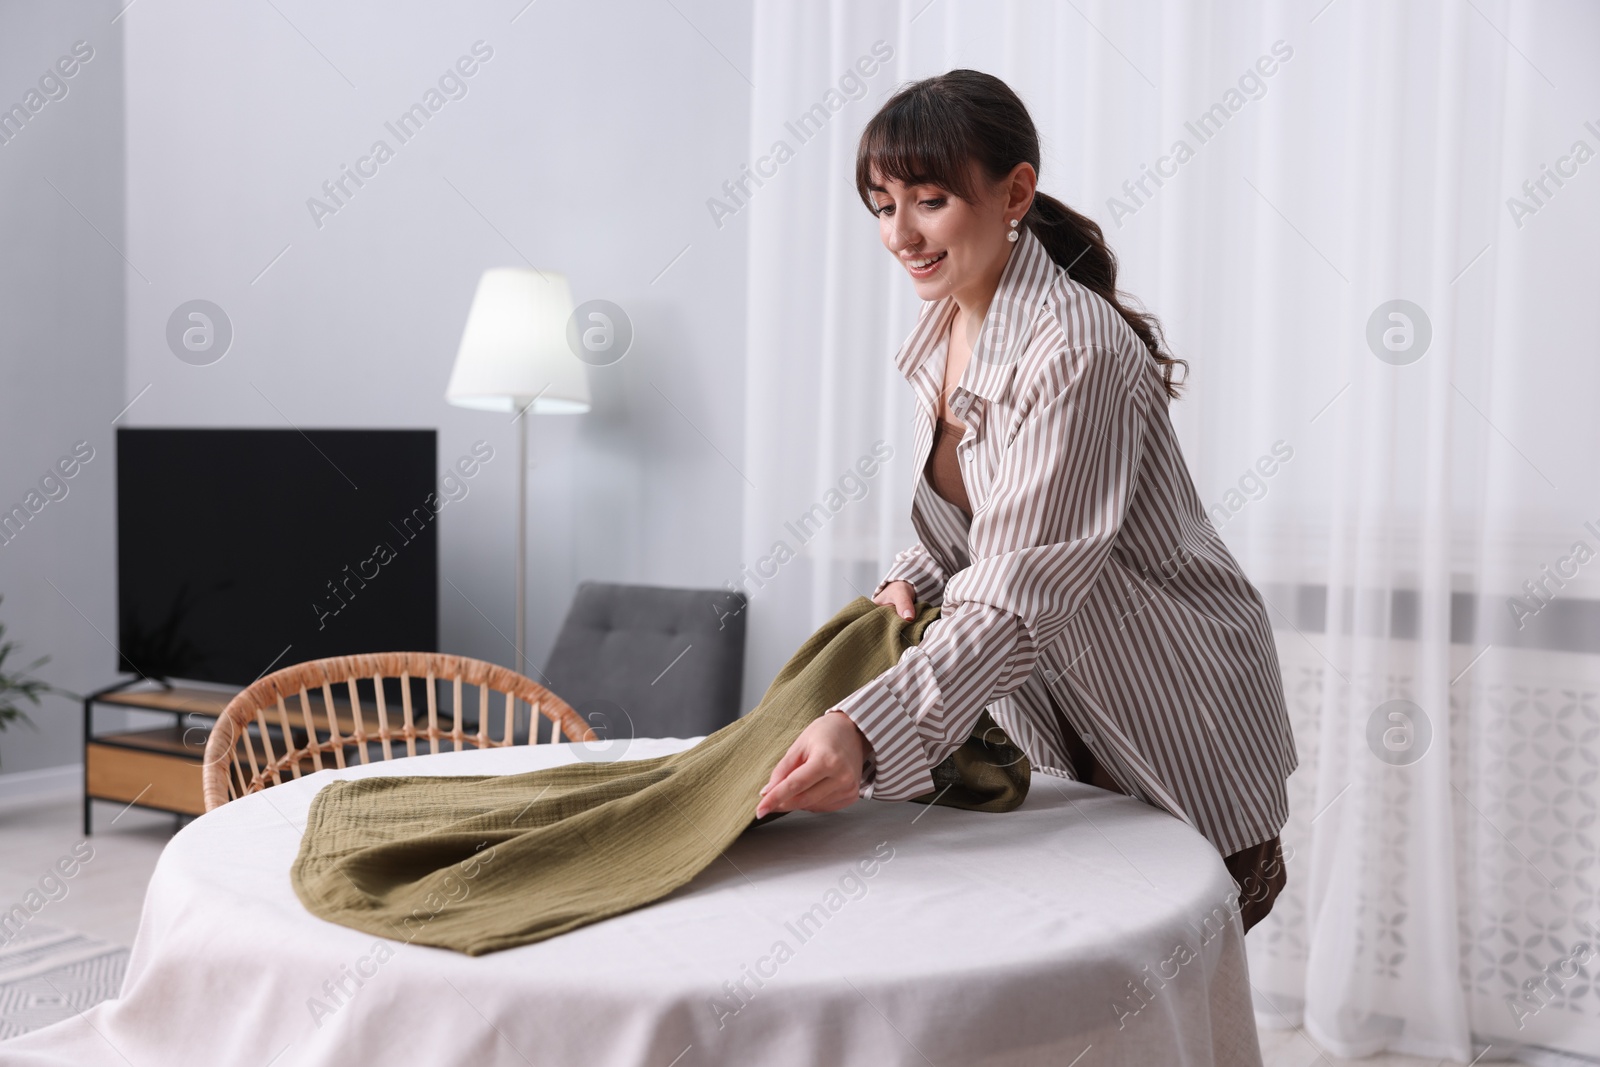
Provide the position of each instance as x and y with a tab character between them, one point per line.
1412	485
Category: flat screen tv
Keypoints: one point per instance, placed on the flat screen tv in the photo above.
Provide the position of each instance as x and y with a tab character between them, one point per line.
242	551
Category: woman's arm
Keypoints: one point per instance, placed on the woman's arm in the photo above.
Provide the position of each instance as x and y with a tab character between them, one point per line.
918	569
1039	543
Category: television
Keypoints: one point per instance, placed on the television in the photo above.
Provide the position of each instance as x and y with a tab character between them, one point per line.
240	551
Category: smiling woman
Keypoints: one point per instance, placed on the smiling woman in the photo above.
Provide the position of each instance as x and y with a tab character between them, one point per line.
1050	481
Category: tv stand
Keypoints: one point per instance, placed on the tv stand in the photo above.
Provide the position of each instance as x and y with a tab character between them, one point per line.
160	768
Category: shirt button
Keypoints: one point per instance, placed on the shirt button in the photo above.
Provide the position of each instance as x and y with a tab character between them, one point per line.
969	453
1088	738
1049	676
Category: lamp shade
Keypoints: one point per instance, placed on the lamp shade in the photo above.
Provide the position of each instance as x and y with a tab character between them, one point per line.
514	352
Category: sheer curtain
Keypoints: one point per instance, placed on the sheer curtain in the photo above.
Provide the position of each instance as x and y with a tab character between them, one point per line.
1371	229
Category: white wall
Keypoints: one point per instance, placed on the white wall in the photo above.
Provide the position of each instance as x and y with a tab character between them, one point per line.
588	143
61	355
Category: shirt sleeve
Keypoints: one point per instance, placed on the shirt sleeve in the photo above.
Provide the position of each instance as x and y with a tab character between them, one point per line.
917	566
1039	542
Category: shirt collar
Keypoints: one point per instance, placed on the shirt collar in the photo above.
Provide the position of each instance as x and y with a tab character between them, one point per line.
1007	325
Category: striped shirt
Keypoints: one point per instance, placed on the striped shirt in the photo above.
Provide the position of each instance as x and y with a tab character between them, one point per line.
1089	588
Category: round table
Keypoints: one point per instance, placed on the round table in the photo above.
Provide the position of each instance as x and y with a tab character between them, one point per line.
1084	928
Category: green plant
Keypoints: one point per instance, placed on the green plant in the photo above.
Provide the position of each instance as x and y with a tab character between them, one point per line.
17	685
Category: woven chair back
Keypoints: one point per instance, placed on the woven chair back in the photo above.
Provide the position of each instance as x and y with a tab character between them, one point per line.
314	715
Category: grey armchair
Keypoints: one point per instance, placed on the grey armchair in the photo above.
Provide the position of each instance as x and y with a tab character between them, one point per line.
650	661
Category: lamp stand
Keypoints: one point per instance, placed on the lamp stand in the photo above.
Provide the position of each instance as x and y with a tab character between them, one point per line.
522	540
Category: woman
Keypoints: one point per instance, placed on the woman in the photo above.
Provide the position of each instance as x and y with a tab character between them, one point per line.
1085	598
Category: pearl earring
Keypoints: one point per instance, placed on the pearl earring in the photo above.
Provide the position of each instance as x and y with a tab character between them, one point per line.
1012	236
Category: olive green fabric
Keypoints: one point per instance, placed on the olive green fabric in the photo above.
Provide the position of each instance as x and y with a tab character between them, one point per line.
483	863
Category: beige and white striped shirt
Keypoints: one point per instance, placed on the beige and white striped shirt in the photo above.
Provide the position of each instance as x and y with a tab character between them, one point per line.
1089	583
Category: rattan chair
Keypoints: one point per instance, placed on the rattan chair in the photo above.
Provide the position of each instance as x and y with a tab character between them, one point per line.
276	729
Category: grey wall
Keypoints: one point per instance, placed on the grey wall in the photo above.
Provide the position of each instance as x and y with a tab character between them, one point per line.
587	143
61	353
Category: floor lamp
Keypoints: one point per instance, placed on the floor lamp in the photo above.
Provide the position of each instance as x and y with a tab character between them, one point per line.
514	358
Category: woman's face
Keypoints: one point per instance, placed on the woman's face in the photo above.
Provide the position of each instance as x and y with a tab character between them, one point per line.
947	245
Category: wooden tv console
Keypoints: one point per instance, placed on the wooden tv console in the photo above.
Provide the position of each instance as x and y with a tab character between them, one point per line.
156	768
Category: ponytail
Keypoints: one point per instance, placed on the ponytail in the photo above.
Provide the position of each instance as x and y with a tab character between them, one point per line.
1076	243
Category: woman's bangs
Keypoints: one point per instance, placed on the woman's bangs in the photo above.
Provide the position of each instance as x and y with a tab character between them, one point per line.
912	149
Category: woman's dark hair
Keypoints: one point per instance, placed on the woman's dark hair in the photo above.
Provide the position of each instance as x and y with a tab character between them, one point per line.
931	131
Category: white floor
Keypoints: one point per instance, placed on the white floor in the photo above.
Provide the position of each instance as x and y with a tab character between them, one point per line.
104	897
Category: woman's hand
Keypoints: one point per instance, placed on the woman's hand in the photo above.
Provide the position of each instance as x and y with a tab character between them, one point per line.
820	772
901	596
822	769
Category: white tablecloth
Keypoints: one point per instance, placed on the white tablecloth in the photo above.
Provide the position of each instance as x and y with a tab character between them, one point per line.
1073	931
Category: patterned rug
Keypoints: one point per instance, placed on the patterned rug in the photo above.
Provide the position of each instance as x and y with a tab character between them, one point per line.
47	975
